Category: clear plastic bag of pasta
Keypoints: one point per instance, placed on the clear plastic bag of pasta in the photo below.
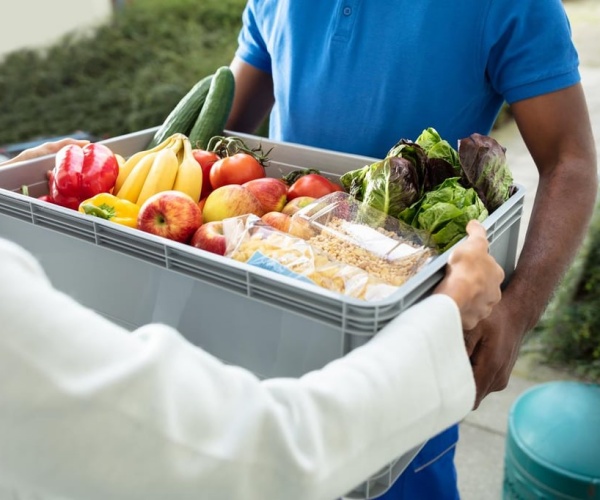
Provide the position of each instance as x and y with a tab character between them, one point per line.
258	244
362	236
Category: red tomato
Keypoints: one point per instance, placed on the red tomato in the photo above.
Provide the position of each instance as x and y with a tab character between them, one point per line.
313	185
236	169
206	159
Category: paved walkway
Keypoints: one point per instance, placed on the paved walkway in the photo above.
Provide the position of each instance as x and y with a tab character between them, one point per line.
480	452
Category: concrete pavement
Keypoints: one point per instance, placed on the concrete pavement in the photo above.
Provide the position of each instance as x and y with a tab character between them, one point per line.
480	451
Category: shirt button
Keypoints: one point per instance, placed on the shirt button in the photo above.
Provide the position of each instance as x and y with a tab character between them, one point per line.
347	11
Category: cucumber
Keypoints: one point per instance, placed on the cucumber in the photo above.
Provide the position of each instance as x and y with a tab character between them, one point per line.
214	114
183	116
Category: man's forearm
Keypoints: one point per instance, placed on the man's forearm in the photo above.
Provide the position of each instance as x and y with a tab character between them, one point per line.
559	220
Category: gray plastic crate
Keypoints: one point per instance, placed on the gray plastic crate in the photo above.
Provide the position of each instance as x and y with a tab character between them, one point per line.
267	323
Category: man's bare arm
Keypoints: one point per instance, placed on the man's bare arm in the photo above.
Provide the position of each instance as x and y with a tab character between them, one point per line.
253	97
556	129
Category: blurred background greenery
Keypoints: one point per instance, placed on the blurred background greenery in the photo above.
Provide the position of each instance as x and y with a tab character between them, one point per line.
126	76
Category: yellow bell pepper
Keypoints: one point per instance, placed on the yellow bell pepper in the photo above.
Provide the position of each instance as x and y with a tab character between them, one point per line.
108	206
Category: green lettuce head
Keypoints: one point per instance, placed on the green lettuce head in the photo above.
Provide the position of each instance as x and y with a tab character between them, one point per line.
445	212
436	159
389	185
436	147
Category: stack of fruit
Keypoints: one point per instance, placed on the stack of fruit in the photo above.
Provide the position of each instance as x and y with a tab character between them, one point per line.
236	184
98	182
188	179
179	192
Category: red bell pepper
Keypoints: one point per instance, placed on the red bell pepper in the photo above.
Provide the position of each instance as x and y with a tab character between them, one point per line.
81	173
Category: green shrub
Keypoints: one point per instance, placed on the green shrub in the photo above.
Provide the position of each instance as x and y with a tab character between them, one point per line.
124	76
569	334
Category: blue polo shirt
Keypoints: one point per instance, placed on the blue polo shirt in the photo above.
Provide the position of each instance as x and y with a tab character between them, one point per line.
356	76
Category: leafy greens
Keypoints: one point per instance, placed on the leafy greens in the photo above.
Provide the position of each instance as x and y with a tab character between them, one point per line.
389	185
484	166
433	186
445	212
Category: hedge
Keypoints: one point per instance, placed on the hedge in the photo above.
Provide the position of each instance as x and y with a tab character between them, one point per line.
124	76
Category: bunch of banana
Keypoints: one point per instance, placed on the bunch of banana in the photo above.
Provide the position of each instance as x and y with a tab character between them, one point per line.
168	166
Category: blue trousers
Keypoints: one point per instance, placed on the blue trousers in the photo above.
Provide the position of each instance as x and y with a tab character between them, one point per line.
432	474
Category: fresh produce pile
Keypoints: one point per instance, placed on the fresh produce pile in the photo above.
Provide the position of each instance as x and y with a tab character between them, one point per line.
192	178
432	186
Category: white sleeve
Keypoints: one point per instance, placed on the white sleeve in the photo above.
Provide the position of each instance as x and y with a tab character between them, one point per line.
89	410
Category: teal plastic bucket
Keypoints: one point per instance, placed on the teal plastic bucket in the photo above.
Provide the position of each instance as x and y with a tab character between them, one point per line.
553	443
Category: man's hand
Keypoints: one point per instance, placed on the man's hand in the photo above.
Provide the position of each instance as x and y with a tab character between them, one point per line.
48	148
493	346
473	277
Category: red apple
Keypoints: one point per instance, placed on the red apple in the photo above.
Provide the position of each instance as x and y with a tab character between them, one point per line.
271	192
278	220
210	237
170	214
230	200
292	206
295	226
